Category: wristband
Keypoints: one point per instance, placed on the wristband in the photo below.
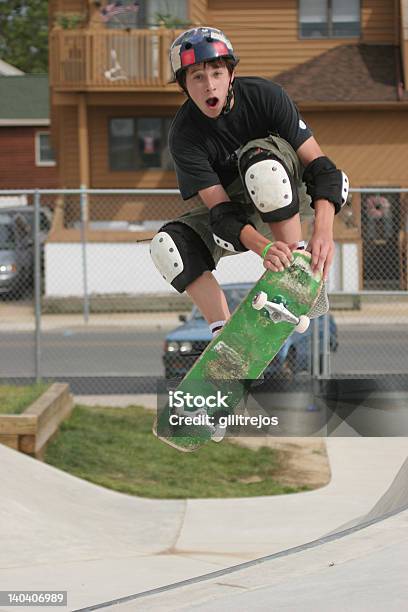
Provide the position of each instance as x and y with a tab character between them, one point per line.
266	249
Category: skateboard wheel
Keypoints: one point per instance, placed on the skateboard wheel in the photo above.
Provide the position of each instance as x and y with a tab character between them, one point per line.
219	434
259	300
303	324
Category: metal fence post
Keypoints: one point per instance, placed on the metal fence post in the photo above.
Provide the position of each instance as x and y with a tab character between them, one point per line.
84	223
37	284
315	349
326	346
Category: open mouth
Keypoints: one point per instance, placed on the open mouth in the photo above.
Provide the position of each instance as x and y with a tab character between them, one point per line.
212	102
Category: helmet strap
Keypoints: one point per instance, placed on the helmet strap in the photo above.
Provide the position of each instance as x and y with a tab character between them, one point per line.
228	101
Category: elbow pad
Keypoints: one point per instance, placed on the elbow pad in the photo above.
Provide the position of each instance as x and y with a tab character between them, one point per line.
324	181
226	222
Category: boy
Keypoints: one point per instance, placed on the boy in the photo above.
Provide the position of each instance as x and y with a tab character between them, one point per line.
240	144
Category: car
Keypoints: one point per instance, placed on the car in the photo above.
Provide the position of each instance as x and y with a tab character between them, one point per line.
17	247
16	257
28	213
183	345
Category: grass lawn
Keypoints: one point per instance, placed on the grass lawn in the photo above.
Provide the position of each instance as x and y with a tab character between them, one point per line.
114	447
14	399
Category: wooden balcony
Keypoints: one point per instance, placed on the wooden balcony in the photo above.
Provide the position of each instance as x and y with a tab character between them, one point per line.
110	60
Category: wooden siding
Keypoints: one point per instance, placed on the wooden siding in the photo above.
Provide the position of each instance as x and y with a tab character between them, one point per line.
371	146
17	160
198	12
68	150
379	22
265	32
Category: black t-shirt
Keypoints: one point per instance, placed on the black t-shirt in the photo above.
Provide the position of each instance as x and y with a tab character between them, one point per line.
205	149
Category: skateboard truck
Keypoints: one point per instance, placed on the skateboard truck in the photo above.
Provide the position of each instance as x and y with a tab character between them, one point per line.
278	313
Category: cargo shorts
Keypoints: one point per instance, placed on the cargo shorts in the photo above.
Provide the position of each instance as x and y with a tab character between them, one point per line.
198	218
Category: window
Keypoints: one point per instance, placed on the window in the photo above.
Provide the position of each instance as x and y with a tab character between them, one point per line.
345	18
139	143
122	14
44	155
329	18
171	13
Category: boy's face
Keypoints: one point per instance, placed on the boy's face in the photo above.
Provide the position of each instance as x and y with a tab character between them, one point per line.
207	85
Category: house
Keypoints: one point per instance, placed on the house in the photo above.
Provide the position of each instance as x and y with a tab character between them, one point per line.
26	157
344	63
110	91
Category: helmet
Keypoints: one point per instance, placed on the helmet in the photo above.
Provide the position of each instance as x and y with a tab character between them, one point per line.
199	45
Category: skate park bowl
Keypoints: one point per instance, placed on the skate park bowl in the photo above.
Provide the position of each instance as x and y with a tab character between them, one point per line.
110	550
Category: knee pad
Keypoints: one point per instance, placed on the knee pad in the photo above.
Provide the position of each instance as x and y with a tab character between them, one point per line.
180	255
270	185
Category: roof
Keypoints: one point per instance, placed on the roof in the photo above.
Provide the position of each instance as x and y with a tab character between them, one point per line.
8	70
24	100
348	73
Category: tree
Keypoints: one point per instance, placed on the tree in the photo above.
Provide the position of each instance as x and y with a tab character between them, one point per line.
24	34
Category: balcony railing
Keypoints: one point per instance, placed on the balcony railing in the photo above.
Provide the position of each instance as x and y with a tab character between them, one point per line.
110	59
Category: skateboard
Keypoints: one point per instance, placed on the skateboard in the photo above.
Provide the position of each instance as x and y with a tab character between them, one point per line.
274	308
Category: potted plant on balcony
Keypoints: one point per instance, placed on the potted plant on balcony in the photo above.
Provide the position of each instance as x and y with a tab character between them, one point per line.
70	21
170	22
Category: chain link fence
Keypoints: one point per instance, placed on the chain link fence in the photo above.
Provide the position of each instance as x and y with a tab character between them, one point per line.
81	301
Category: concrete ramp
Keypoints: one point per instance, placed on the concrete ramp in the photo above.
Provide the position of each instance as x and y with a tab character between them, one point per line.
362	571
359	566
62	533
394	500
49	516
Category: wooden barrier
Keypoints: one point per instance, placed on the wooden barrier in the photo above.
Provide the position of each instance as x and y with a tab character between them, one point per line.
31	431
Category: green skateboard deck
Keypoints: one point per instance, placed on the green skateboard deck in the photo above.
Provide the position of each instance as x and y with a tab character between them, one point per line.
277	305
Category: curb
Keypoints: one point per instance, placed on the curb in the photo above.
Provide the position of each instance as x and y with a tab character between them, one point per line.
115	304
